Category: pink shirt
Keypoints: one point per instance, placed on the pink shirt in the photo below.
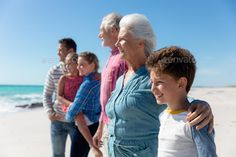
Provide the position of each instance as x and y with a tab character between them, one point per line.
71	86
114	68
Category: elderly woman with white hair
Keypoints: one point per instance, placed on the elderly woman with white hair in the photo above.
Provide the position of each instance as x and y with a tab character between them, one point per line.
132	108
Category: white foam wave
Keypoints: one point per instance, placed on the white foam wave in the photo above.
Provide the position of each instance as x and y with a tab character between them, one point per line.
28	96
8	103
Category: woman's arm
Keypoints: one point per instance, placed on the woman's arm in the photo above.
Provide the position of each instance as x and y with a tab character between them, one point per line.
84	130
200	114
79	102
64	101
204	142
98	135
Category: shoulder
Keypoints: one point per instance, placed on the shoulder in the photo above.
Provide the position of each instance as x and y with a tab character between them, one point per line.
144	81
56	69
88	84
163	114
90	87
63	78
95	84
182	116
117	62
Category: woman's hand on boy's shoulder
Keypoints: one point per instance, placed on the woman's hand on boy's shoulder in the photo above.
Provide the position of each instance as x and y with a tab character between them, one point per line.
200	114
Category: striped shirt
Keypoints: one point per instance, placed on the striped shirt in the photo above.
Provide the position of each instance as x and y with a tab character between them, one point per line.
114	68
50	90
87	100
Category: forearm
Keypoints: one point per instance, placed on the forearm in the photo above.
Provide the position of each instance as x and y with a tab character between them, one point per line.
48	92
83	128
100	126
63	101
200	113
48	103
100	129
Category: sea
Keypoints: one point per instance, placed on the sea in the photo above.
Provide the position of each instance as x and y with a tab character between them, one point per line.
15	95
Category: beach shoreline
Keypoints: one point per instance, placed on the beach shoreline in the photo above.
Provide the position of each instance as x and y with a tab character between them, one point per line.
26	133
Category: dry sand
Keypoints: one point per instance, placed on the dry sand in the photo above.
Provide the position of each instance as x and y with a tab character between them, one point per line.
223	104
26	133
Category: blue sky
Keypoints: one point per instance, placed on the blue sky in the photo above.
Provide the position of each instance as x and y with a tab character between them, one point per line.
30	30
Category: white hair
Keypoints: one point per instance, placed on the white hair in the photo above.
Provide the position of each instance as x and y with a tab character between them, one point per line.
111	20
141	28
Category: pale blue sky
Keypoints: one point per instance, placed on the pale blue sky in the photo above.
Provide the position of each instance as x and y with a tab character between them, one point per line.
30	30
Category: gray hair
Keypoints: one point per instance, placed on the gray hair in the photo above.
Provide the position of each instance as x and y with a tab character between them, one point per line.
111	20
141	28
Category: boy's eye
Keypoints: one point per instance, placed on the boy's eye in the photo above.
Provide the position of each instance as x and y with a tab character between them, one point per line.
156	83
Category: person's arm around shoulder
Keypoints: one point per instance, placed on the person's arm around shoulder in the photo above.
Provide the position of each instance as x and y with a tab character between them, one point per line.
204	142
83	128
200	114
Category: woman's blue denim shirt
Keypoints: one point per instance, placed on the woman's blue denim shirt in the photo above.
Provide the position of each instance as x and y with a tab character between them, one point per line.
132	109
204	142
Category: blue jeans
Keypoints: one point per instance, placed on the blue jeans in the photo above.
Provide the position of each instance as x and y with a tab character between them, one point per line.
132	148
59	132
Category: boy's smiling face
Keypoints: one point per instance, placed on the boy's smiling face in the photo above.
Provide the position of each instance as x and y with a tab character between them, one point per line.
165	88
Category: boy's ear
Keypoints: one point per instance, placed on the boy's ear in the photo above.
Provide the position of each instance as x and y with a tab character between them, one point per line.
182	82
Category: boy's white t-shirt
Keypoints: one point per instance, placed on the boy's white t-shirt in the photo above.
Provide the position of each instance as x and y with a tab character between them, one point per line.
175	138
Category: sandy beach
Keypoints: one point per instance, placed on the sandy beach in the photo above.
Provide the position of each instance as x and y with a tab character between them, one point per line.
26	133
223	104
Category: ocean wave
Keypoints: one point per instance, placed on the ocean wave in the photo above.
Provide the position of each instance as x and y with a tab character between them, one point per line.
27	98
8	103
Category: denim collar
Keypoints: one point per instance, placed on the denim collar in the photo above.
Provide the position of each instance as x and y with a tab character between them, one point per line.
141	70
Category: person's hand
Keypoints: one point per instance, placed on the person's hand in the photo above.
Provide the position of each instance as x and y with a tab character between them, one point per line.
97	138
57	101
200	114
54	116
96	152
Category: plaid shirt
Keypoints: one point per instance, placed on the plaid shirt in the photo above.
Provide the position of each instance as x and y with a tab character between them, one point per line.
87	100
